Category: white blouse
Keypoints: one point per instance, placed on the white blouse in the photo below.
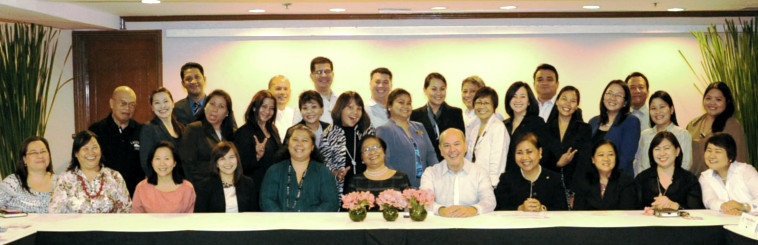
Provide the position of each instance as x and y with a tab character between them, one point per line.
230	197
741	186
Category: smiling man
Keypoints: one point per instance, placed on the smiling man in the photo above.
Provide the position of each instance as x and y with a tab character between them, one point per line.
638	86
461	188
381	85
280	87
118	135
193	81
546	87
322	75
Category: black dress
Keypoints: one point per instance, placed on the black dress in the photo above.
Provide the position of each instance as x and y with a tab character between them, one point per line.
513	190
684	189
210	195
619	193
245	142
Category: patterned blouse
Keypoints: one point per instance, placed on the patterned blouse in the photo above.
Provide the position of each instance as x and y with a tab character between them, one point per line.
106	193
334	149
13	197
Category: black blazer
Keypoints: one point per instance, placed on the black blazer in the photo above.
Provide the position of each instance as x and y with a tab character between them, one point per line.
620	193
513	190
685	188
183	111
450	117
210	195
150	135
533	124
578	136
245	142
195	147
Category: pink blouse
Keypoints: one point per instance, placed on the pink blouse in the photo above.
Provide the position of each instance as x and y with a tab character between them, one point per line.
148	199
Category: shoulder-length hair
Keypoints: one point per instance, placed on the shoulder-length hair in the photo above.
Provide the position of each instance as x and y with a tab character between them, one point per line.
251	115
363	123
720	121
176	174
577	116
21	171
593	176
393	96
663	95
178	127
80	140
624	111
219	151
284	153
531	110
659	137
228	124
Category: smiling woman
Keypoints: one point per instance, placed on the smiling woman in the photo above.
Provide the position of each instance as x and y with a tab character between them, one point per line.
163	127
258	140
165	190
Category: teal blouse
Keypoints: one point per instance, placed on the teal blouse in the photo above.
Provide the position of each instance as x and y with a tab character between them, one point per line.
318	194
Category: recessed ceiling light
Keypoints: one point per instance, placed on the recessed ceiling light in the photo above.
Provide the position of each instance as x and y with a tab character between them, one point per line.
257	11
151	1
337	10
508	7
439	8
676	9
591	7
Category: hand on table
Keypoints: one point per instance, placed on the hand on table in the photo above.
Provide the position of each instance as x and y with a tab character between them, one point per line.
531	205
662	201
733	208
457	211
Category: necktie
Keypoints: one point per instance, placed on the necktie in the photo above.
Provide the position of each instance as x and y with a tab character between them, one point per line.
195	108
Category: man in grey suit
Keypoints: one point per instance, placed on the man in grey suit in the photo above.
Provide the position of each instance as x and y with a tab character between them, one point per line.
193	80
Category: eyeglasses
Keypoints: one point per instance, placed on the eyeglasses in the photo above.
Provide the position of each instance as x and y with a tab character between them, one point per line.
482	103
614	96
36	153
322	72
371	148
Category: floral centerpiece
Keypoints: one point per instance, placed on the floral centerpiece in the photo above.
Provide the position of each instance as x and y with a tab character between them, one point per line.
418	200
390	201
356	202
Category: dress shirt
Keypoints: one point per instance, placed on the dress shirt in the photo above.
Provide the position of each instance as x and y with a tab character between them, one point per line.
546	107
469	187
329	103
284	119
642	160
377	113
741	186
490	148
644	115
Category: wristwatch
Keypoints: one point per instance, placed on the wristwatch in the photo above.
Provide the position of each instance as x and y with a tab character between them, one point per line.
746	207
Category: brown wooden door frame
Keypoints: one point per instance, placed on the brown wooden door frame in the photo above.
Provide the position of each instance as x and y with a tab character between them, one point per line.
84	93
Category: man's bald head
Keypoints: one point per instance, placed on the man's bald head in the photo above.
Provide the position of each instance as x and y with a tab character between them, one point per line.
280	86
453	147
123	103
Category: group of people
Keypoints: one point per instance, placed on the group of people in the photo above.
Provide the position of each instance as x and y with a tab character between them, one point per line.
192	157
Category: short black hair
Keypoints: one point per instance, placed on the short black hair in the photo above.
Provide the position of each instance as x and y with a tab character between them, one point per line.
393	96
189	65
219	151
381	70
637	74
725	141
531	109
594	176
80	140
308	96
321	60
487	92
431	76
546	66
659	137
176	174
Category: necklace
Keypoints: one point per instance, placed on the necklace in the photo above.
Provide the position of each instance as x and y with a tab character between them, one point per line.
376	174
659	185
352	156
299	188
84	187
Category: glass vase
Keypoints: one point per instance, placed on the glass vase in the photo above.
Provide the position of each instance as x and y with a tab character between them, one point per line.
358	215
390	214
418	213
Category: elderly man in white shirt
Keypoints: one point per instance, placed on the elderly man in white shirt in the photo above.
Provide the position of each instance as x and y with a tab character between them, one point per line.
546	88
461	188
280	87
381	85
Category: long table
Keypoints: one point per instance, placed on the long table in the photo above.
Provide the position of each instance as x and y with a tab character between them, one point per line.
554	227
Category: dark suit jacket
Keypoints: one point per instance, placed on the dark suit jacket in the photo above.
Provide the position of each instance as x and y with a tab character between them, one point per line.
578	136
513	190
195	147
183	111
150	135
685	188
626	136
620	193
533	124
121	150
450	117
246	144
210	195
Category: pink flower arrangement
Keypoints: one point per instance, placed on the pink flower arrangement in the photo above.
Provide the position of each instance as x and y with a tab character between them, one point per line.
419	198
391	199
357	200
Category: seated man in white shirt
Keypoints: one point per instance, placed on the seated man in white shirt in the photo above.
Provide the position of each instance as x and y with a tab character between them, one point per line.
461	188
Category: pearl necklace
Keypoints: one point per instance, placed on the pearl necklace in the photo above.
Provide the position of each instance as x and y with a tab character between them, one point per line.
375	174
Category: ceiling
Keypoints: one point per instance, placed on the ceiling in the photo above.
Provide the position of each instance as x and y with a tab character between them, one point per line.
106	14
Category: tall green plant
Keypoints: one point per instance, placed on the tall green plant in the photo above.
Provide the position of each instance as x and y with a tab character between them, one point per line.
27	58
732	57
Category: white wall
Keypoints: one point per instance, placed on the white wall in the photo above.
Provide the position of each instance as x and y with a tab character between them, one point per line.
588	54
61	124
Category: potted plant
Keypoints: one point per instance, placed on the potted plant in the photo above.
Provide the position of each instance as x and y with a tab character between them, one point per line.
356	203
418	201
390	201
